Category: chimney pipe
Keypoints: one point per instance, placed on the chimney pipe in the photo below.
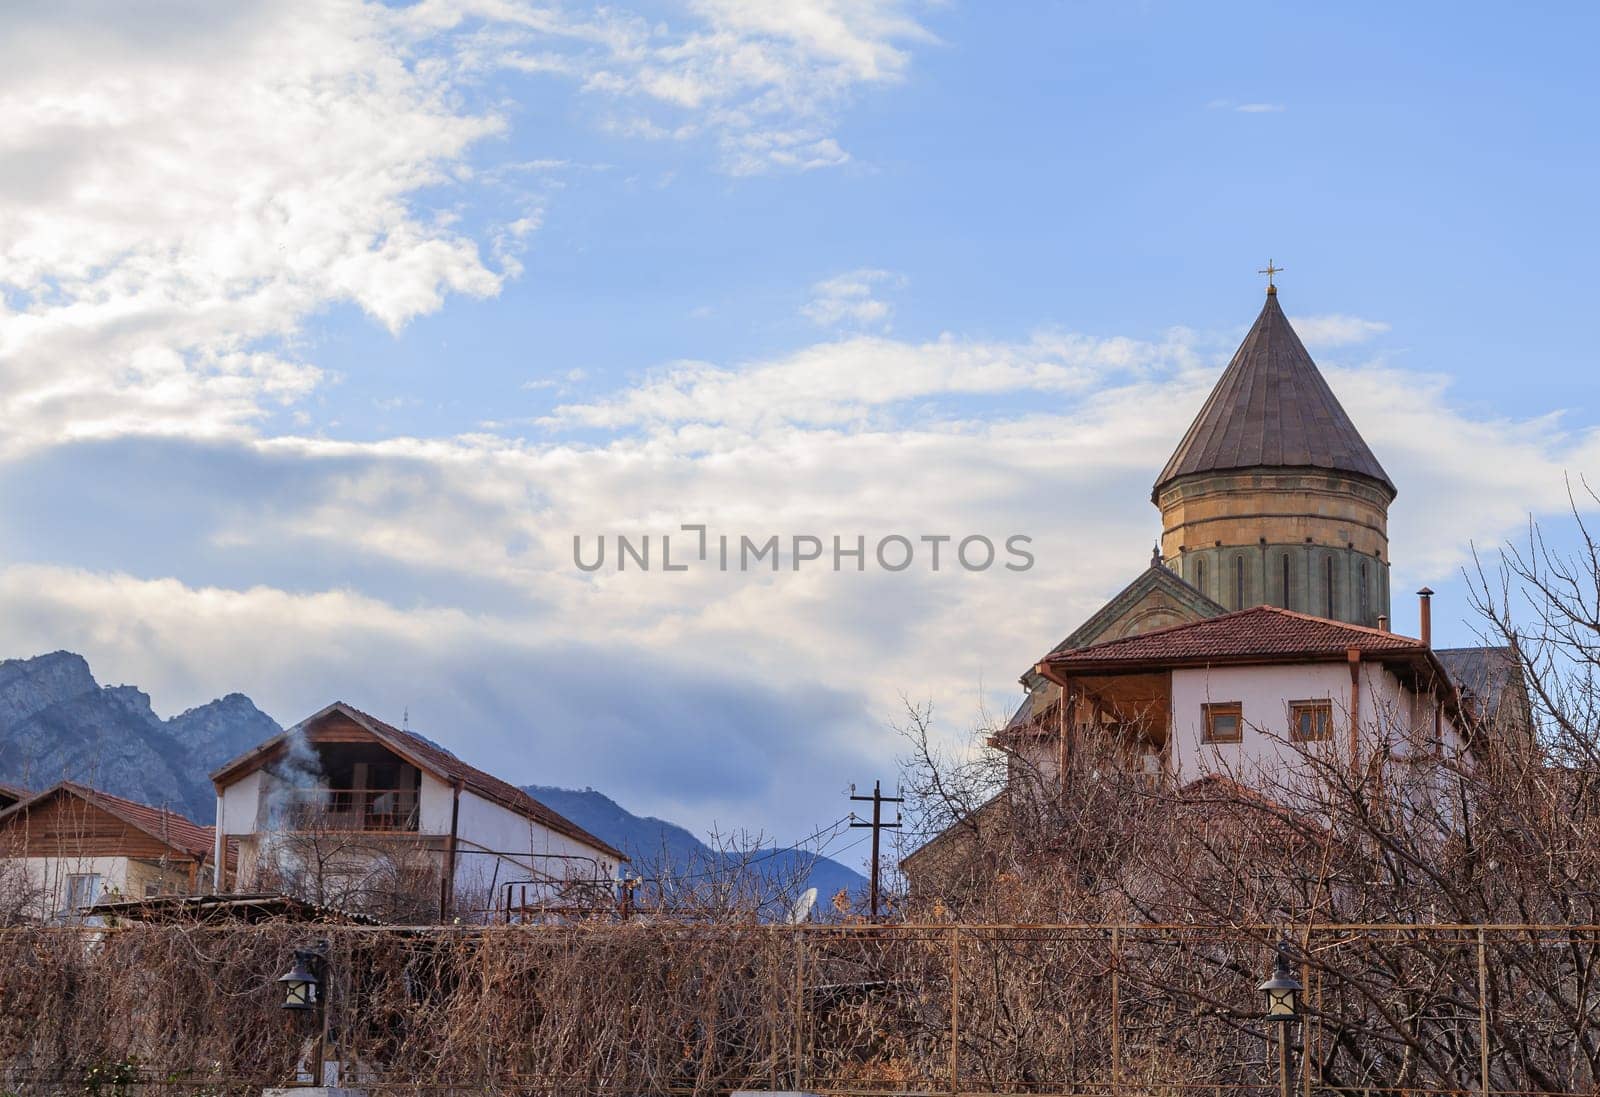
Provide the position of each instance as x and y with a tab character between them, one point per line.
1425	616
1383	622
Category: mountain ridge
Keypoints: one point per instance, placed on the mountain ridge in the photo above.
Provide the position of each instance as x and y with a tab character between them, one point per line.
58	722
658	845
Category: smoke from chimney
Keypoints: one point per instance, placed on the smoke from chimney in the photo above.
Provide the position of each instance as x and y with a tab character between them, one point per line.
298	770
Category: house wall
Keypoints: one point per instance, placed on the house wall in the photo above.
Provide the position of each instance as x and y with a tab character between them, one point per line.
46	880
1358	591
495	845
239	809
48	877
434	804
1391	715
145	877
66	825
243	875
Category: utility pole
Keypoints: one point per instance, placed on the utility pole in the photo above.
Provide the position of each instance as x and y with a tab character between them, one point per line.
877	799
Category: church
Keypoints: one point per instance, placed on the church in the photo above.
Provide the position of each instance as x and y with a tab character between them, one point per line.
1261	627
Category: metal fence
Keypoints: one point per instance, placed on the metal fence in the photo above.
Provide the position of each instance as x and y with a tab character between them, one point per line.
1143	1008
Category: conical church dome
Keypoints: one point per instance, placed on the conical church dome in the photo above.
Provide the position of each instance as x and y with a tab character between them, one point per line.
1272	409
1273	498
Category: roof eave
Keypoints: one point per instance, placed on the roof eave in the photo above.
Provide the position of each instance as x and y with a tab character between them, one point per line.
72	788
1166	480
1055	669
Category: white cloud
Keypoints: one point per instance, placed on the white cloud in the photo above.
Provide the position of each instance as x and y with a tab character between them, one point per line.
763	80
1337	330
1246	108
517	700
183	185
850	300
853	381
451	558
560	384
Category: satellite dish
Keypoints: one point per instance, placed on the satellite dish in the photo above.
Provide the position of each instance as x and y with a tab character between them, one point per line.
801	910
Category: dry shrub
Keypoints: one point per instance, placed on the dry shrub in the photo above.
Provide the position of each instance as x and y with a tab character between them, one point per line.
614	1008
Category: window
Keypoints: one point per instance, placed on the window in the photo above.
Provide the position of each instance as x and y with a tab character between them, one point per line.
1361	610
1224	722
1310	721
1328	567
1238	582
1287	584
82	890
1200	576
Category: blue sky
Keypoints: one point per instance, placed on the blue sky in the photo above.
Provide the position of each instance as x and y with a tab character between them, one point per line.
324	327
1092	166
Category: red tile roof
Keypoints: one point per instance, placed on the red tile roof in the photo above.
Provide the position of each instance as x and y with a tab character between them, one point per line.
1218	788
1263	634
168	827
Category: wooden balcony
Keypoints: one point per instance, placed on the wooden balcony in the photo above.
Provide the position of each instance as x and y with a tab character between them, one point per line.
376	810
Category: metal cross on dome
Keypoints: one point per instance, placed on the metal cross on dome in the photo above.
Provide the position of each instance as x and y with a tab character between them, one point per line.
1269	271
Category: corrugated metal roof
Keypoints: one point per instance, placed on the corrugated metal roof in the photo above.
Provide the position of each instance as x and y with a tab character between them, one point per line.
252	908
1272	408
1488	677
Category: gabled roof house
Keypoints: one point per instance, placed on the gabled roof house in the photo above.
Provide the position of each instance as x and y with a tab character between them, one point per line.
77	845
1241	692
344	778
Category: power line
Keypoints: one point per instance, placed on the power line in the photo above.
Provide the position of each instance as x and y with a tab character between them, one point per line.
850	847
831	830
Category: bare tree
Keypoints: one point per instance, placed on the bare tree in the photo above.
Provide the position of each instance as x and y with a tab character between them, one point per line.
1508	834
393	877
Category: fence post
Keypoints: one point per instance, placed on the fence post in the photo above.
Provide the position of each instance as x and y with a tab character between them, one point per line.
1116	1010
799	1009
955	1010
773	1014
1483	1018
1305	1023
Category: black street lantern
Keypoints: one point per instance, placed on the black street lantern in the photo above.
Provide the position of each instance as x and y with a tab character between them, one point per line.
1283	989
300	984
